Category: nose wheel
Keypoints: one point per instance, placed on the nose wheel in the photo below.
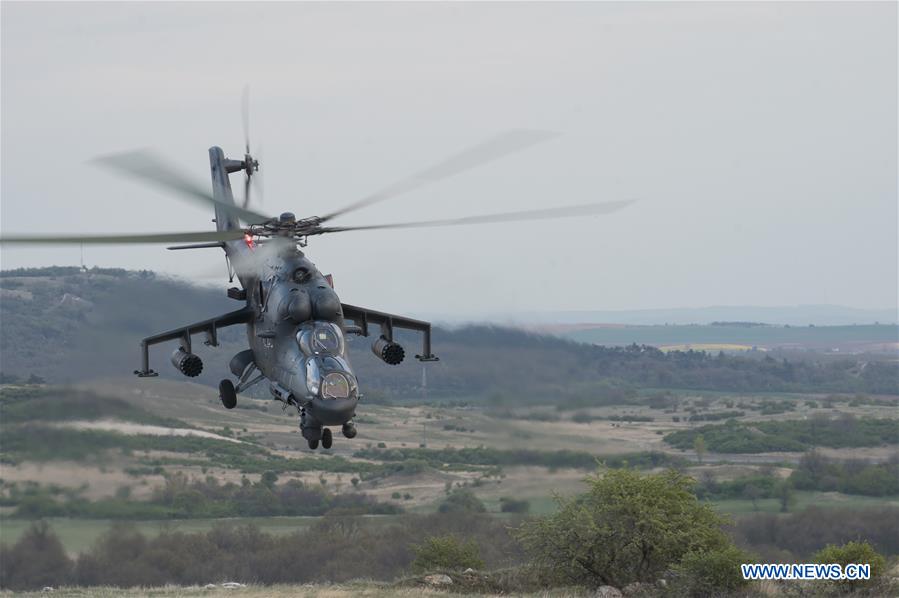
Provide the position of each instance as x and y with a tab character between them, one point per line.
316	434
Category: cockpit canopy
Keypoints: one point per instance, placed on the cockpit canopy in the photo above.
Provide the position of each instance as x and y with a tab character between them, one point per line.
328	374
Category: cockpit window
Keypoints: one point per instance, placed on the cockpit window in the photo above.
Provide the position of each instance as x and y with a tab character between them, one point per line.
301	275
328	375
321	338
326	340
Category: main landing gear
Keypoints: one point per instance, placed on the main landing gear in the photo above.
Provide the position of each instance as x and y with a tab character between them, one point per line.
227	390
227	394
323	435
318	434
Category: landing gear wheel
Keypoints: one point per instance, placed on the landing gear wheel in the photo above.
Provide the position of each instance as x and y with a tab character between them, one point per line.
327	439
349	430
313	444
227	394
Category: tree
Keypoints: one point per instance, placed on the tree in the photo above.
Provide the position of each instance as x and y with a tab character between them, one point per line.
36	560
786	496
446	552
699	447
753	493
626	528
269	479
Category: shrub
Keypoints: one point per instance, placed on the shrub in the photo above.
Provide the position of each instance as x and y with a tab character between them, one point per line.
626	528
712	572
462	501
446	553
514	505
852	552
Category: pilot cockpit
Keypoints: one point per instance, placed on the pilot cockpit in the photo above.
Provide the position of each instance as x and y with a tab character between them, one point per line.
328	373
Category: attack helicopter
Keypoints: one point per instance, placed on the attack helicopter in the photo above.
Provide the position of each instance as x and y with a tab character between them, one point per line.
295	322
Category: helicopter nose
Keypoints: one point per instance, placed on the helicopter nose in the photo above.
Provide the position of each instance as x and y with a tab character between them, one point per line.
333	412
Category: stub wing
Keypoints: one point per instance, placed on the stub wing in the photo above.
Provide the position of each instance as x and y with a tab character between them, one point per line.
363	317
208	327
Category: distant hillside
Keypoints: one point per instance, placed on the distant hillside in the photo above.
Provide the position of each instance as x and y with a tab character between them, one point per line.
879	338
66	325
792	315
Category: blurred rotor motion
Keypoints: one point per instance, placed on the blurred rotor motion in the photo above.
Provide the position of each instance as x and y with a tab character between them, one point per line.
251	165
154	169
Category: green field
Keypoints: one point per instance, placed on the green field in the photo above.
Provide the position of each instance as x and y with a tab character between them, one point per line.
804	500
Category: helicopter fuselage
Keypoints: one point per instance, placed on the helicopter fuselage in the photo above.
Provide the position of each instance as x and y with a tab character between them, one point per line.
296	333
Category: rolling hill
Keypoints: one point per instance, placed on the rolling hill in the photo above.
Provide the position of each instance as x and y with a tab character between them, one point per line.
67	325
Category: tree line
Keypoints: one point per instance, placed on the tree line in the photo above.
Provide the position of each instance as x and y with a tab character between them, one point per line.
795	435
181	497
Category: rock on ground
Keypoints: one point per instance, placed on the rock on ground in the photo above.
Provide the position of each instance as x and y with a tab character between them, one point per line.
438	580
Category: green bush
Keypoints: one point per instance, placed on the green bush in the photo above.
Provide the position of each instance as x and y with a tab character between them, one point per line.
446	553
852	553
626	528
514	505
462	501
712	572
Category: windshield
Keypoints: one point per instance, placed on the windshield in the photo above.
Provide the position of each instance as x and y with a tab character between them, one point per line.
328	374
321	338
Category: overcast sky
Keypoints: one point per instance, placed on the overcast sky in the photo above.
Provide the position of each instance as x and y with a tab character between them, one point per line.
760	140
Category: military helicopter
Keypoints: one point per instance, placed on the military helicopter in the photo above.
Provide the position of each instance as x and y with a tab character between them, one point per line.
296	324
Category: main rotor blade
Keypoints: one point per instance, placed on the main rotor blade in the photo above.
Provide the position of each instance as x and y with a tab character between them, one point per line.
196	237
502	145
544	214
153	169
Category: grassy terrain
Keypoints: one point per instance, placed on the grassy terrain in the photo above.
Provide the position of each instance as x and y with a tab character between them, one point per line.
348	590
505	451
